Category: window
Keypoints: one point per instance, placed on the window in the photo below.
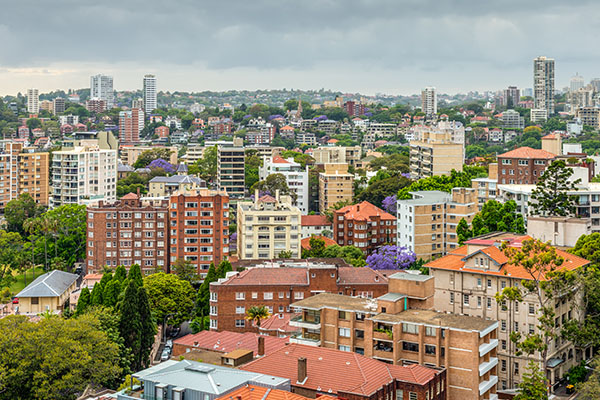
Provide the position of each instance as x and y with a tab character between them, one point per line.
240	310
516	368
254	295
342	315
489	302
268	295
430	331
430	349
35	300
466	299
213	310
410	328
410	346
240	296
240	323
531	308
478	282
503	325
344	332
344	348
412	396
298	295
516	326
531	329
451	297
503	365
399	394
503	344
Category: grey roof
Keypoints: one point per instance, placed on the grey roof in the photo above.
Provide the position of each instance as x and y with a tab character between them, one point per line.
425	197
182	168
411	276
392	296
205	378
177	179
50	284
125	168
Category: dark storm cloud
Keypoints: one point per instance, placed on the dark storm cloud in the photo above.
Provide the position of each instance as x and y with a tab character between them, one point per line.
434	36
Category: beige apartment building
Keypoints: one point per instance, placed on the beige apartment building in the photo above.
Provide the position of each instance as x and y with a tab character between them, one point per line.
23	171
337	154
335	185
267	226
130	154
487	188
401	328
435	153
466	282
427	223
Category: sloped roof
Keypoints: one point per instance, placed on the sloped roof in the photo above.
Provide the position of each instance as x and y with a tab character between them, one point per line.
365	275
527	152
267	199
177	179
334	371
364	211
305	243
50	284
253	392
279	322
225	341
270	276
314	220
279	160
130	196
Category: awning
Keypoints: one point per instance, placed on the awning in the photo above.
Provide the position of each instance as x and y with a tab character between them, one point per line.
554	362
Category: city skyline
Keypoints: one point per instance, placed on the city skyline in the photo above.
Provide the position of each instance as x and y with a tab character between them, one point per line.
381	47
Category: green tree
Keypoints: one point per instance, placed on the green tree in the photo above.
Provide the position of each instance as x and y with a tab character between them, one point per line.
185	270
170	297
285	254
257	313
534	385
352	255
71	232
551	197
273	183
463	232
120	274
147	156
84	301
136	325
34	362
96	296
18	210
202	302
135	274
11	245
206	167
317	248
251	166
590	389
223	268
33	123
110	295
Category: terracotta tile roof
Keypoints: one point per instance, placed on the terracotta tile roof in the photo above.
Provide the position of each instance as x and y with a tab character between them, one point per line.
455	261
527	152
334	371
279	322
253	392
365	275
551	136
130	196
267	199
279	160
305	243
270	276
332	141
363	211
287	128
314	220
225	341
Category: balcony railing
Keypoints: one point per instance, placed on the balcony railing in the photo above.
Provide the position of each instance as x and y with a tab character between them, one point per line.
487	347
487	366
298	338
301	323
487	385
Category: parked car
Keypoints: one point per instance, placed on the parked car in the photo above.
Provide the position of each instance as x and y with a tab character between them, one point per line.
15	300
169	344
165	355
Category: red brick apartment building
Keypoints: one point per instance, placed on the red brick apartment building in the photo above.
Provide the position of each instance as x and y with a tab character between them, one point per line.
364	226
127	233
199	227
314	372
278	285
523	165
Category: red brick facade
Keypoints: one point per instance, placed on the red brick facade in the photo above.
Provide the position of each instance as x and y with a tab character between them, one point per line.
278	287
523	165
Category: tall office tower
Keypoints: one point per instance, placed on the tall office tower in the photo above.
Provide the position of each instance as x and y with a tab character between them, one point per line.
33	101
543	84
59	105
429	101
576	83
511	97
150	102
101	88
131	122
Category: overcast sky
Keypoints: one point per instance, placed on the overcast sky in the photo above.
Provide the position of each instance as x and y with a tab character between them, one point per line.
368	46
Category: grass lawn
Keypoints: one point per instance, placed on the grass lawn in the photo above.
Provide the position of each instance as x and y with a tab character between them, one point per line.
19	284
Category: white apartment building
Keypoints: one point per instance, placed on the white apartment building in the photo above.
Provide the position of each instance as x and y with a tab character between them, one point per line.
429	101
150	94
295	175
33	101
512	120
543	85
267	226
101	87
84	175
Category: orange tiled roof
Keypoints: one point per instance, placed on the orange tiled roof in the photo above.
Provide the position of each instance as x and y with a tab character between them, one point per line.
305	243
270	276
130	196
226	341
364	275
363	211
314	220
253	392
267	199
333	371
527	152
280	160
287	128
455	261
279	322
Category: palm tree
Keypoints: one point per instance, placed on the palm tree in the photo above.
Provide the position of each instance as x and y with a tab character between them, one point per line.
257	313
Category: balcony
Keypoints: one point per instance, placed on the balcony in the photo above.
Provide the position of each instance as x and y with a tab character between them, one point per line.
305	340
486	366
487	347
300	323
487	385
493	396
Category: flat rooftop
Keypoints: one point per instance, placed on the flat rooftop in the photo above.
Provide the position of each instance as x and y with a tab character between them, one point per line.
426	197
338	302
410	276
434	318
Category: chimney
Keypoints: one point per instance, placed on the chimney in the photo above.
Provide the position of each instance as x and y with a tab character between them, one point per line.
261	345
302	372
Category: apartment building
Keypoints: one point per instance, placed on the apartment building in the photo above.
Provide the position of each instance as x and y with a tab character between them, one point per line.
33	101
161	186
511	119
101	88
277	284
382	129
321	373
511	97
466	282
295	176
199	227
130	154
131	123
315	225
268	226
84	175
337	154
58	105
427	222
335	185
487	188
128	232
543	84
150	94
589	116
230	170
400	328
22	171
429	102
364	226
95	106
435	153
523	165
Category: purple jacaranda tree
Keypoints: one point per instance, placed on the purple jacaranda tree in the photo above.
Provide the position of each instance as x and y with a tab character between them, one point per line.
320	118
233	241
390	204
271	117
391	257
405	174
160	163
261	193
